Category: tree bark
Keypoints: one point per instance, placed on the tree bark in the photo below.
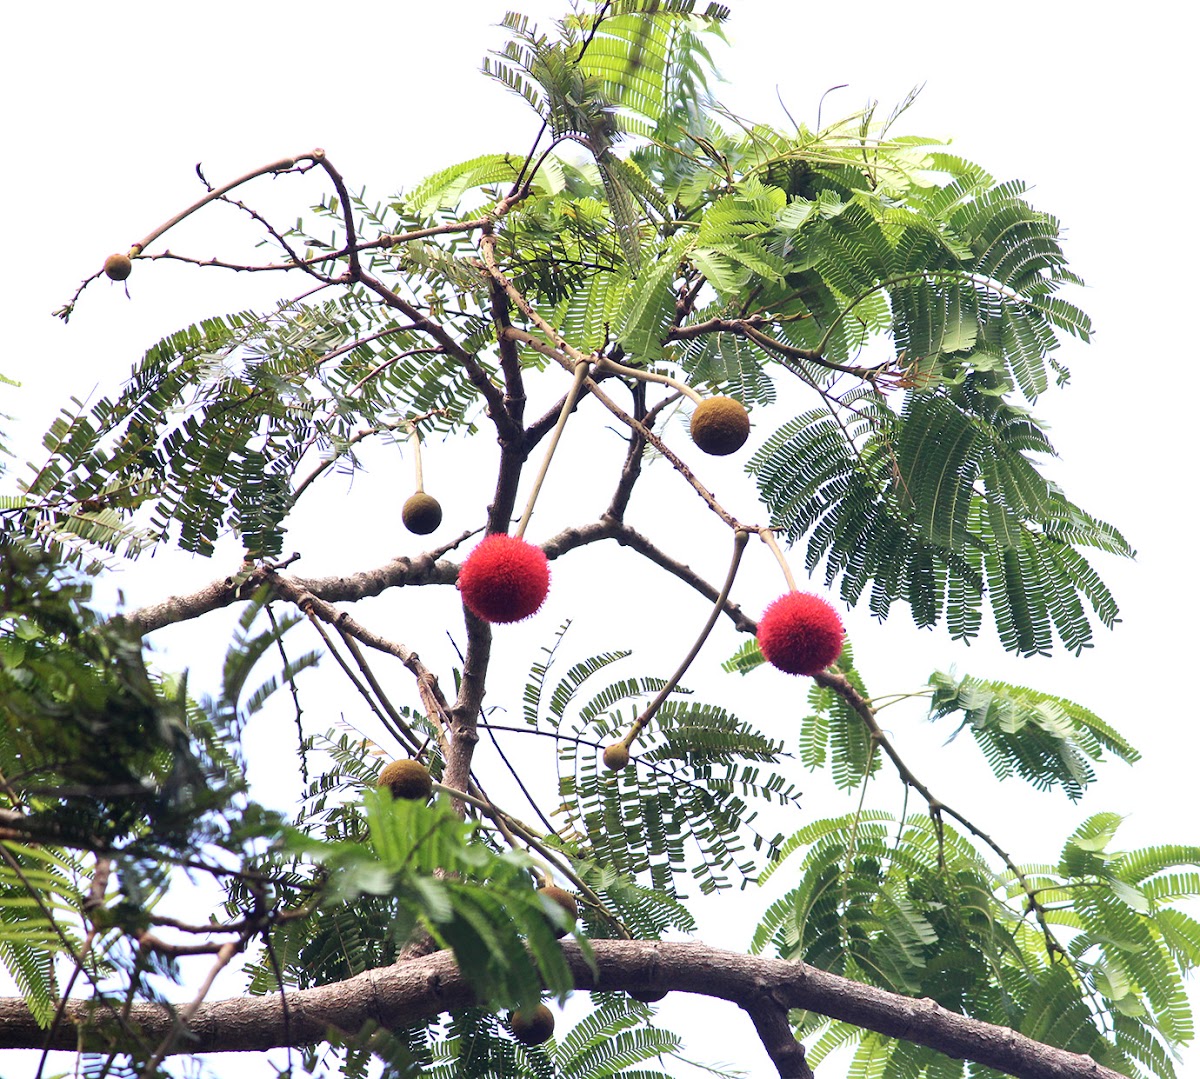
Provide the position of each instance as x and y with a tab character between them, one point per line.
416	991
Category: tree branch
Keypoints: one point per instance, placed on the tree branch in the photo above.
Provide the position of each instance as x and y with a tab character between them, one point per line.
419	990
225	591
775	1032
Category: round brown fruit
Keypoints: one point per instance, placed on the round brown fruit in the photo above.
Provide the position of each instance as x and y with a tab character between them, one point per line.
565	900
616	756
720	426
422	513
407	779
532	1027
118	267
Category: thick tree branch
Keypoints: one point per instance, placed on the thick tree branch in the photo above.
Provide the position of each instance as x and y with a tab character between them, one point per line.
343	587
419	990
510	361
775	1032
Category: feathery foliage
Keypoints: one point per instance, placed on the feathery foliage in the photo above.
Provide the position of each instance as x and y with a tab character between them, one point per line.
890	312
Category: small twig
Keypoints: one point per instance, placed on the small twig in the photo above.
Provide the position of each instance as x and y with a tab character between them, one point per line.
414	744
355	272
478	377
351	630
295	695
328	463
224	956
528	837
385	703
516	776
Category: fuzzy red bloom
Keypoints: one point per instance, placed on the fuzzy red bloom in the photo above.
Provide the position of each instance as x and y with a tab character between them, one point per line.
800	633
504	579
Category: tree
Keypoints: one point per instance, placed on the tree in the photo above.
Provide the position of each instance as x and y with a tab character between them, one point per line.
912	302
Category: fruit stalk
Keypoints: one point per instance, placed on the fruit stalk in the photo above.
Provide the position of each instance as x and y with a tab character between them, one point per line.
422	513
740	538
649	376
415	437
581	372
767	535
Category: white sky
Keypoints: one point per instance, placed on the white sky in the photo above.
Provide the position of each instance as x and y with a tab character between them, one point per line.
109	107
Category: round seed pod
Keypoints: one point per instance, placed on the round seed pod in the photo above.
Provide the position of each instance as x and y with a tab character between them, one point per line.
616	756
407	779
800	633
532	1026
720	426
565	900
421	514
504	579
118	267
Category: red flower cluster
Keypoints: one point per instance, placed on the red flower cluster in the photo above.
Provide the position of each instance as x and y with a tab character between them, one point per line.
800	633
504	579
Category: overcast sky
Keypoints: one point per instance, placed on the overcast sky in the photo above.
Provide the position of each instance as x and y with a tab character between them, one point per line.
110	107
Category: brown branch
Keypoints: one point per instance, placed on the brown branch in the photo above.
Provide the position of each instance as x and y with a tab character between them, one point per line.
464	733
388	239
424	569
419	990
394	725
277	236
775	1032
749	329
568	361
355	272
478	377
609	528
288	164
631	470
840	684
510	361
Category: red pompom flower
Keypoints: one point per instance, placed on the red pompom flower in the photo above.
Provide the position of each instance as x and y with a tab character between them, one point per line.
504	579
800	633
